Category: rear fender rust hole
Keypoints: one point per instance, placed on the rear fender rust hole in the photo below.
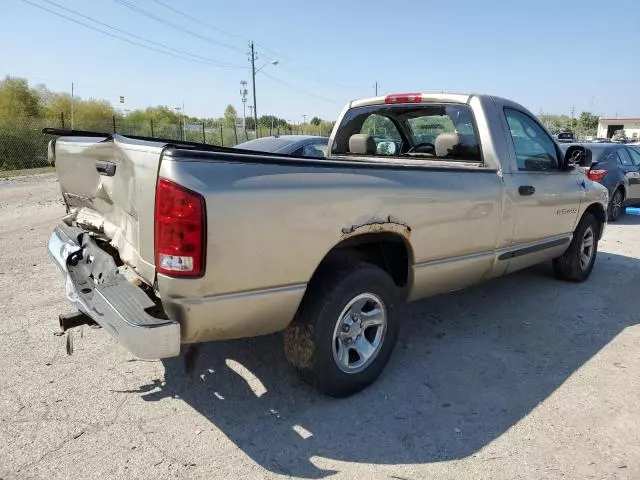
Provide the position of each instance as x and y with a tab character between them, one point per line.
85	290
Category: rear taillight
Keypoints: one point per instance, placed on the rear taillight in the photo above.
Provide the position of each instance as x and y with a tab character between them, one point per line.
179	230
403	98
596	175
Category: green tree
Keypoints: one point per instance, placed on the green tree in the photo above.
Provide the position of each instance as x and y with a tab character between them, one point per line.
315	121
270	120
587	124
17	99
250	123
230	116
160	115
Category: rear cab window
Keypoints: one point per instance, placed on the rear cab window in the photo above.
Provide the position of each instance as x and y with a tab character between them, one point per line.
421	131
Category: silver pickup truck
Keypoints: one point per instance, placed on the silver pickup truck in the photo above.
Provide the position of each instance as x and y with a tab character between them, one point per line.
168	243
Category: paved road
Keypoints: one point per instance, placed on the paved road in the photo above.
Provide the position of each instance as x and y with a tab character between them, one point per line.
524	377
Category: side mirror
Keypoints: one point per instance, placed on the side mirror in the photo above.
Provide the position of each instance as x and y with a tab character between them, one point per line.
386	148
577	155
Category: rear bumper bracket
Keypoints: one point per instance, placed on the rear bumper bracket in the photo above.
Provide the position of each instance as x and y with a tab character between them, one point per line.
97	289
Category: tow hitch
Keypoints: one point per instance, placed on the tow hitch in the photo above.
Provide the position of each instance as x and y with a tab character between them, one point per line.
73	320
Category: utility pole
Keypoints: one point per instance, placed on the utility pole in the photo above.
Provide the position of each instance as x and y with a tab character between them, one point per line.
72	100
376	88
243	95
177	109
573	113
253	82
304	118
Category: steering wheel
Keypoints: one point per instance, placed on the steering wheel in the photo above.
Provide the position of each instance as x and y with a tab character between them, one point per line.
422	148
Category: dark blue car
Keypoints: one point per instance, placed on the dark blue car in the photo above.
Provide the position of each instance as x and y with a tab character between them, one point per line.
617	167
299	145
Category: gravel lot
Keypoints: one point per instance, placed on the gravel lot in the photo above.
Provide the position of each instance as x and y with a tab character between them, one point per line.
524	377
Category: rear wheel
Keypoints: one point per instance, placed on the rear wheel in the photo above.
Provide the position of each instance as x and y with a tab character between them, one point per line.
616	209
576	264
345	330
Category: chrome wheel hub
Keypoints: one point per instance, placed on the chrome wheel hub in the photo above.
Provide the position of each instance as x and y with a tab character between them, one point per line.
359	333
616	203
587	248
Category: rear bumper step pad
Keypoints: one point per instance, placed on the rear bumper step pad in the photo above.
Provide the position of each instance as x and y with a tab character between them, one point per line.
96	288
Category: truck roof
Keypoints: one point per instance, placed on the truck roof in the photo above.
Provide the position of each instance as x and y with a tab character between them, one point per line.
415	97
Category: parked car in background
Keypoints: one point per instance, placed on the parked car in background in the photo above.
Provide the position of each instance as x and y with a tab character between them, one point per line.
299	145
617	167
566	137
620	136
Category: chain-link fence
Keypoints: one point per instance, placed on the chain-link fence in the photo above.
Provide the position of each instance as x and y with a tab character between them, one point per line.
24	146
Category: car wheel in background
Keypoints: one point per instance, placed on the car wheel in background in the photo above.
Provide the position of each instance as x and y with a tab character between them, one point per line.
616	208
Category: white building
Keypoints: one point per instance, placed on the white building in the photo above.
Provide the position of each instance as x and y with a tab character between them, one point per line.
608	126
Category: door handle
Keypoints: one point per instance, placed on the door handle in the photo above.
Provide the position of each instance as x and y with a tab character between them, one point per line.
525	190
107	169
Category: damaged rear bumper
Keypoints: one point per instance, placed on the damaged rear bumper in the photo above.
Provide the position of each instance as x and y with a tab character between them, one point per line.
96	287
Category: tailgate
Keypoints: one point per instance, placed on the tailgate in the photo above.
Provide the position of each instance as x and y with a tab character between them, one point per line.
109	187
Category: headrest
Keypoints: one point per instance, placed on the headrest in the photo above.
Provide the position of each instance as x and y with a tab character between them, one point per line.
445	142
362	144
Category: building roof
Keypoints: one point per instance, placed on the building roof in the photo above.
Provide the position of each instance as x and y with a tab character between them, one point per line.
618	120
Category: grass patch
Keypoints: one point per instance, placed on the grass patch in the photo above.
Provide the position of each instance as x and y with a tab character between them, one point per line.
25	172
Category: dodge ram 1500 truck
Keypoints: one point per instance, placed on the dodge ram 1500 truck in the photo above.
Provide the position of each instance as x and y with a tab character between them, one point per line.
167	243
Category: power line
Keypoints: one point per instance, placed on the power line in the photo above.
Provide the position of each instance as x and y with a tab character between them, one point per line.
176	26
132	42
240	37
320	97
162	45
197	20
323	81
217	29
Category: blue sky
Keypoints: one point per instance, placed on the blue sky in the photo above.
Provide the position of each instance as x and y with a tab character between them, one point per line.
547	55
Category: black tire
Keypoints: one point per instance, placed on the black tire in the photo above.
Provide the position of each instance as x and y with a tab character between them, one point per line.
309	339
569	266
616	206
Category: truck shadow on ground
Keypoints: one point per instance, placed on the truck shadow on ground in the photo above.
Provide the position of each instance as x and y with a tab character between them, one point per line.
468	366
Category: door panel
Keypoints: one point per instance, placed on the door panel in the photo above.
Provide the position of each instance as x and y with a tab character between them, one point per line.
551	210
632	172
546	199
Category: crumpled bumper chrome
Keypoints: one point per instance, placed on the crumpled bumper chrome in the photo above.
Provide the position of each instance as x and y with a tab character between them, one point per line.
96	287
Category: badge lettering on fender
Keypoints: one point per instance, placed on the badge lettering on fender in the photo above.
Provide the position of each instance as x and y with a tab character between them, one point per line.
567	211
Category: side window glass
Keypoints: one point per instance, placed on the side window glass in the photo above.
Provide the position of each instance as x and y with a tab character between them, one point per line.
635	156
624	158
534	148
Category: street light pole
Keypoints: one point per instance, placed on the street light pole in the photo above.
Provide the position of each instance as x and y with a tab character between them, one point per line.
243	95
72	101
253	84
254	71
177	109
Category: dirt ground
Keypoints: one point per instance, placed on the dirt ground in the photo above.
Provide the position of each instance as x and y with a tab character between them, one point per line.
523	377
